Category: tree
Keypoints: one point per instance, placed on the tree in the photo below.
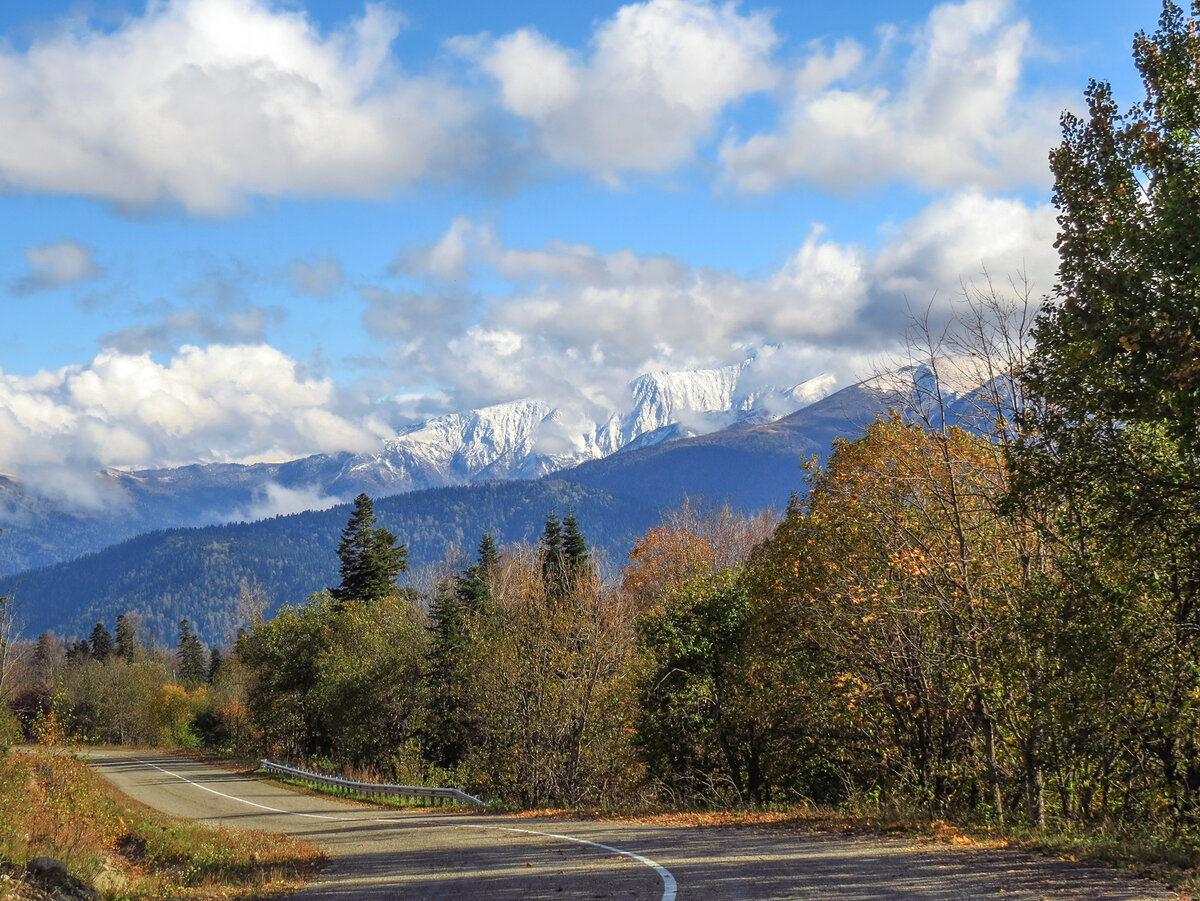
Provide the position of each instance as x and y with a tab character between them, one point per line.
215	662
127	644
102	643
9	635
576	557
1117	442
371	559
452	719
474	587
1123	341
190	655
79	651
550	552
551	682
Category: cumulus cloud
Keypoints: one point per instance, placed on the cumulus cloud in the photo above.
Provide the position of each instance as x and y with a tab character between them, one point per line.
957	117
577	324
204	102
320	278
658	75
243	404
56	265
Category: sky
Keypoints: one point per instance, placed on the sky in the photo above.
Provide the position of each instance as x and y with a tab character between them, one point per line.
248	230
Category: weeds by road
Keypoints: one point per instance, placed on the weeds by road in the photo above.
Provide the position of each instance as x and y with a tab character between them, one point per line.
55	806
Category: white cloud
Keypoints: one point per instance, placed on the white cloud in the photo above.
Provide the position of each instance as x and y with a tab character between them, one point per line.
658	75
577	324
203	102
217	404
958	117
56	265
279	500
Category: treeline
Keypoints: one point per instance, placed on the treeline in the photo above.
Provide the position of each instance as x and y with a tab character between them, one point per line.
115	687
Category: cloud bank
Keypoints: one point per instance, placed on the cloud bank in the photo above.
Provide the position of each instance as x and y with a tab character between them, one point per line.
217	404
577	324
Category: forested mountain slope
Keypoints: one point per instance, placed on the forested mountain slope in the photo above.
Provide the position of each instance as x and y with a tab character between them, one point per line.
197	573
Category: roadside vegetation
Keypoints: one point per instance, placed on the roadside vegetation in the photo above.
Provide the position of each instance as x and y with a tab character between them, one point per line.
56	807
984	626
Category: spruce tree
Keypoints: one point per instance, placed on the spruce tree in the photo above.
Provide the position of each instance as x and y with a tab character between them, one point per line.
371	559
215	662
190	654
576	557
43	651
447	734
474	588
554	570
79	651
451	726
102	643
127	641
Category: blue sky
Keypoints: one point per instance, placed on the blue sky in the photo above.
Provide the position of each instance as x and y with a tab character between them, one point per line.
239	230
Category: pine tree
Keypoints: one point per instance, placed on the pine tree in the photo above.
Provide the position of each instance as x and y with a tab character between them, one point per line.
79	651
576	557
215	662
554	569
102	643
371	559
474	587
127	641
451	727
190	654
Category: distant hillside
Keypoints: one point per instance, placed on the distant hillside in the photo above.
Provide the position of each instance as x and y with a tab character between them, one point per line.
754	467
197	573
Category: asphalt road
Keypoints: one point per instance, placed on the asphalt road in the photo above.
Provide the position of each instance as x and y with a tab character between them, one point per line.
383	854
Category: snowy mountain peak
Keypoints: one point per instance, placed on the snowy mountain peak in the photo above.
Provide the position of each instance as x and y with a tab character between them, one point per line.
529	438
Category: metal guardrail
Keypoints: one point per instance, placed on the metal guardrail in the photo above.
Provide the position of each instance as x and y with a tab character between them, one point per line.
440	795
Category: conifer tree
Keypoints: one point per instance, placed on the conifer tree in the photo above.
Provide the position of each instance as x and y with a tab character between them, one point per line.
102	643
551	552
576	557
127	641
451	727
215	662
190	654
79	651
474	586
371	559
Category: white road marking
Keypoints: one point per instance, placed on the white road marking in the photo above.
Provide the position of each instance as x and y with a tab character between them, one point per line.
668	880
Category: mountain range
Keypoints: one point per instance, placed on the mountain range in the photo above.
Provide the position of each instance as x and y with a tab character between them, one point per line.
523	439
199	572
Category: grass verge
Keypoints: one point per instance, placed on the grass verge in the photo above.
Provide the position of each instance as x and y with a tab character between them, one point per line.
55	806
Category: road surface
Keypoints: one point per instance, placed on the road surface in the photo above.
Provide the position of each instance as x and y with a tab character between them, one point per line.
382	854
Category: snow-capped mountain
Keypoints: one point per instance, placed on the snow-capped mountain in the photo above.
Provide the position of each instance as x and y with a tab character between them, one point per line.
530	438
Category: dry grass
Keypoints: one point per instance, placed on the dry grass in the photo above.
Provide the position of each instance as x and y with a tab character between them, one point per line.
55	806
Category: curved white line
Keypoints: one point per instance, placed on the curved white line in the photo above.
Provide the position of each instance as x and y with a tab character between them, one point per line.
669	887
668	880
